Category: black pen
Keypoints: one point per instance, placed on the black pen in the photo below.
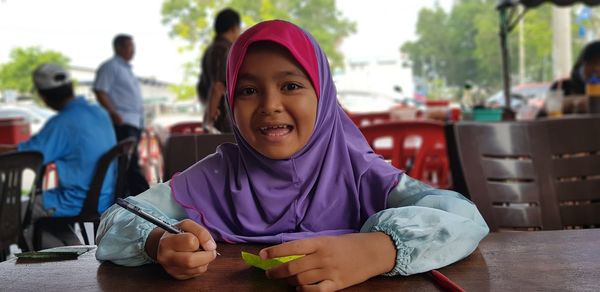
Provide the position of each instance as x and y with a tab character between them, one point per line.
149	217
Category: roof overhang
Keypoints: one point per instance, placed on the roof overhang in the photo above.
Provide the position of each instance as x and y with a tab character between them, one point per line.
534	3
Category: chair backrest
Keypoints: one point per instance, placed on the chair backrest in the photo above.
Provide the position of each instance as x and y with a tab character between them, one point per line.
187	128
182	151
533	175
418	147
122	151
364	119
12	166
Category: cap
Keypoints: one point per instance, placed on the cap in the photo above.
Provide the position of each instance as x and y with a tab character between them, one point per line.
49	76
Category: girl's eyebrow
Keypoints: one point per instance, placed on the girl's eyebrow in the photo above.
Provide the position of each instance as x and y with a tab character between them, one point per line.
294	73
279	75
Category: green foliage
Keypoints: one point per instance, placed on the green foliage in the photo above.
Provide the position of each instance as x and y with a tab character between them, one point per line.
463	44
183	91
16	74
192	20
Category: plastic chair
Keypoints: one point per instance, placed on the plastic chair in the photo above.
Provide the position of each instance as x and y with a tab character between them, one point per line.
89	211
364	119
535	175
427	162
12	166
182	151
150	156
187	128
50	177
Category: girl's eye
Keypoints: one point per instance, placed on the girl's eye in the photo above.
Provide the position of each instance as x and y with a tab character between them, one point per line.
291	86
246	91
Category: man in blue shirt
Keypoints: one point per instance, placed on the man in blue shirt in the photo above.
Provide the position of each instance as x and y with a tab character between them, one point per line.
74	140
118	91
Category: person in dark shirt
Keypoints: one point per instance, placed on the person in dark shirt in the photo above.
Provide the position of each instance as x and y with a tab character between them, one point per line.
586	66
211	84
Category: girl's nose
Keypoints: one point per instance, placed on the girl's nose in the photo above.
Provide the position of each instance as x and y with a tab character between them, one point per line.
271	102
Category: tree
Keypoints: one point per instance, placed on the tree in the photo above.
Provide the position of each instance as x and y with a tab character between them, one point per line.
462	45
191	21
16	74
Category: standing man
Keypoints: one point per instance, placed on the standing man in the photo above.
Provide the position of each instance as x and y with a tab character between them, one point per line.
118	91
211	86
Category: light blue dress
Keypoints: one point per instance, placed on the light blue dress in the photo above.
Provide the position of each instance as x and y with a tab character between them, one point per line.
431	228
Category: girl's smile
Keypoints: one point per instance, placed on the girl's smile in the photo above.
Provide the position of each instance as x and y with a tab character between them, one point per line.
275	103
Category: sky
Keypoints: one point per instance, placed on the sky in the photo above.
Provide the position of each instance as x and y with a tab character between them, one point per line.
83	30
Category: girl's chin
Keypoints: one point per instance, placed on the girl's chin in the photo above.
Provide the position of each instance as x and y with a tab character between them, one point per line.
277	153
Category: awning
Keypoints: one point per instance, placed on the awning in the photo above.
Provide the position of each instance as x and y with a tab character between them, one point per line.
534	3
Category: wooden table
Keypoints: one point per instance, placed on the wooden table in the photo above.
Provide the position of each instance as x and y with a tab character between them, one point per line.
519	261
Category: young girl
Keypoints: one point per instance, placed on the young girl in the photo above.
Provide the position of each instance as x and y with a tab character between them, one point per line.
301	177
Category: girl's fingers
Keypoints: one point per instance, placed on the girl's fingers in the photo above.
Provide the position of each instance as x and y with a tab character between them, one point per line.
204	238
307	278
185	242
189	260
295	267
184	274
325	285
296	247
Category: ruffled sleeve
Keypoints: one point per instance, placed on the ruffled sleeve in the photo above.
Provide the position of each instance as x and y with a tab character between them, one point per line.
122	235
431	228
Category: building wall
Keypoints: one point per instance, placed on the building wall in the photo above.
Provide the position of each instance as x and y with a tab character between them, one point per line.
377	76
152	89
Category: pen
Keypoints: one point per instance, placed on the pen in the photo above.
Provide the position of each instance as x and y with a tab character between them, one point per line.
444	282
149	217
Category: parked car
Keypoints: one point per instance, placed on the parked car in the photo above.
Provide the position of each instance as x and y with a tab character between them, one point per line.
355	101
35	115
530	93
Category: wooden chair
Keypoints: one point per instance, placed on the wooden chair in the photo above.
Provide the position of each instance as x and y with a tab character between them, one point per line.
182	151
534	175
427	162
12	166
89	212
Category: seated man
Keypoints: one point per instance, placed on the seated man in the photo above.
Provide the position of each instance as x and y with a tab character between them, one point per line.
74	140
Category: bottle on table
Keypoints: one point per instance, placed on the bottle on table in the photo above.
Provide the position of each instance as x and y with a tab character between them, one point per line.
592	90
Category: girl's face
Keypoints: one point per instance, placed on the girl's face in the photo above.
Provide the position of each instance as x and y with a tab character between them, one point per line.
275	102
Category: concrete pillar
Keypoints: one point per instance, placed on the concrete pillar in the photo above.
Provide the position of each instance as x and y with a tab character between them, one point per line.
561	41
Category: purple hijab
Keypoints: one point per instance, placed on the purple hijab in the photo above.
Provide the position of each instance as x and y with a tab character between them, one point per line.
329	187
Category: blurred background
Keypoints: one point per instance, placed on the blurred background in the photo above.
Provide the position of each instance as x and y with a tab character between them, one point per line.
384	54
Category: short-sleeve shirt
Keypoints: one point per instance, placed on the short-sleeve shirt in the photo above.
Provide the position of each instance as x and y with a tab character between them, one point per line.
214	65
74	140
115	77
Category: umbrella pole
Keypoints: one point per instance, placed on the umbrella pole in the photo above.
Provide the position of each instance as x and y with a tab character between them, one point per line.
508	114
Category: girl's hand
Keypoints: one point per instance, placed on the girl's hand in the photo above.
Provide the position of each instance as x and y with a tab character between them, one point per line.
186	255
333	262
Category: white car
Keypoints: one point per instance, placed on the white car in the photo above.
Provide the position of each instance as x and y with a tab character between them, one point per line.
363	102
35	115
521	95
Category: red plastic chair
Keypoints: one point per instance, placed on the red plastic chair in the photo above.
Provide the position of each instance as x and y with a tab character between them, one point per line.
187	128
150	156
50	179
426	160
364	119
